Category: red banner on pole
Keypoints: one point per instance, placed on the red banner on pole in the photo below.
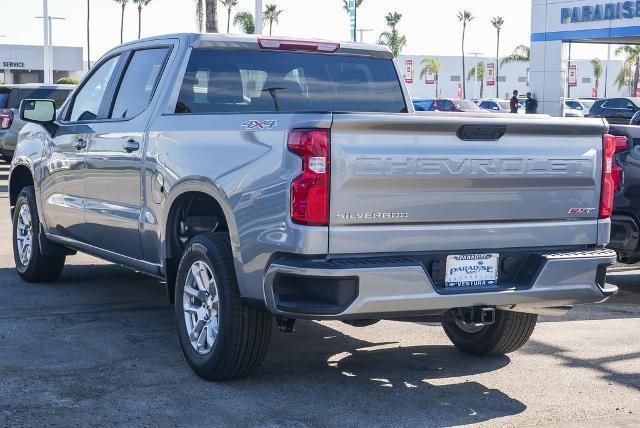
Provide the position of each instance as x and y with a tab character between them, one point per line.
459	90
491	74
408	71
573	75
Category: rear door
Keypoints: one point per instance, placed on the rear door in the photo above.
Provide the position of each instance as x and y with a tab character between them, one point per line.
113	182
418	183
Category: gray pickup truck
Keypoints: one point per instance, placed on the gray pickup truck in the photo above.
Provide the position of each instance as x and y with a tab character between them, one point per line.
268	178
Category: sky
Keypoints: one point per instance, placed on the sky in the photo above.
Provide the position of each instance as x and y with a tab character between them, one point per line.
431	26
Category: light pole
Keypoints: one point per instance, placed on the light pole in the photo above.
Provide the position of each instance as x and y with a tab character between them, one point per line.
475	68
48	45
362	31
258	16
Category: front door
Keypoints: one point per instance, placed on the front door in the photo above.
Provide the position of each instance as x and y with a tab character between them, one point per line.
63	190
114	207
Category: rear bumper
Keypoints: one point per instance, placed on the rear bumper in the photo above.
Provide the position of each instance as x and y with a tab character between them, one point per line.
401	287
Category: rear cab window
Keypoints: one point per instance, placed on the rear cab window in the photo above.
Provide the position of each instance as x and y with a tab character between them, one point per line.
221	81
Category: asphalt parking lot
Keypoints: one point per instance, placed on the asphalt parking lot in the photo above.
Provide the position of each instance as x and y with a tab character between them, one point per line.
99	347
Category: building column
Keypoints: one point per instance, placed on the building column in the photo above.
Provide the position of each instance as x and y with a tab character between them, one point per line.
8	77
548	75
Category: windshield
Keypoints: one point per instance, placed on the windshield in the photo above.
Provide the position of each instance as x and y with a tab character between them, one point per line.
265	81
466	105
574	105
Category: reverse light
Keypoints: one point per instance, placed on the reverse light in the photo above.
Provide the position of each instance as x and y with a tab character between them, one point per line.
310	190
298	45
6	118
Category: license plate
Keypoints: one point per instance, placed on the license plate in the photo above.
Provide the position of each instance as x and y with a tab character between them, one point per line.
472	270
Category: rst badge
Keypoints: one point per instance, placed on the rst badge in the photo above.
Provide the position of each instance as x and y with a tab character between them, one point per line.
259	124
578	211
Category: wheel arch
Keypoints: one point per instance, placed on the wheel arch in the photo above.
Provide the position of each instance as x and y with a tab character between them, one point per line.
177	197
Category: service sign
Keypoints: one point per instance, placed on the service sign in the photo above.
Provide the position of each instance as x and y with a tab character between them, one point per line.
408	71
573	75
491	74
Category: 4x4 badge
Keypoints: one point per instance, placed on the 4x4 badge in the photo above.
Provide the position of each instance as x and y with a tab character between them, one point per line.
259	124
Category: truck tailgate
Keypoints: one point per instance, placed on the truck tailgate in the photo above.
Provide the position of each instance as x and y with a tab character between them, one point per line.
428	182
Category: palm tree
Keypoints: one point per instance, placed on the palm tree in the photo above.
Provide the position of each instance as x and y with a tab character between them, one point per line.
597	72
521	53
245	21
211	16
230	4
481	72
199	15
88	36
632	53
624	77
433	66
497	22
123	4
393	39
271	14
140	4
465	17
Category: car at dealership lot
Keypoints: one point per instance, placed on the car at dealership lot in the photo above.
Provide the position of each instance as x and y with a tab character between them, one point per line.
445	104
495	105
625	220
268	178
616	110
10	98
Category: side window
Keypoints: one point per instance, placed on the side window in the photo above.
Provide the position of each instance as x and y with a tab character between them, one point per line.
87	102
139	82
448	106
630	105
614	103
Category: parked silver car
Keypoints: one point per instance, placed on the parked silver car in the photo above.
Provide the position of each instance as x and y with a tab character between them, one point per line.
10	98
268	178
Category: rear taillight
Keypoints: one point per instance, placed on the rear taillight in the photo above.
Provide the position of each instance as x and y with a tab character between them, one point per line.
616	168
608	187
6	118
310	190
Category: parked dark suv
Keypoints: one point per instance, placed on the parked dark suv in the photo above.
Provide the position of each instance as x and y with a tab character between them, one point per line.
616	110
10	98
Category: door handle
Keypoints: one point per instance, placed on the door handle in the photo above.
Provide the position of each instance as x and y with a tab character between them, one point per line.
80	144
131	146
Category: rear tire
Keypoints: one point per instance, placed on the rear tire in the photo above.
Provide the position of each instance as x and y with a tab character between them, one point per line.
221	338
509	333
32	265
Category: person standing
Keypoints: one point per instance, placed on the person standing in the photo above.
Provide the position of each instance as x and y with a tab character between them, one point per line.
530	105
513	103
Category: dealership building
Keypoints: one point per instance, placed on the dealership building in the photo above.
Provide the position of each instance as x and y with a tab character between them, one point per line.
25	64
501	84
557	24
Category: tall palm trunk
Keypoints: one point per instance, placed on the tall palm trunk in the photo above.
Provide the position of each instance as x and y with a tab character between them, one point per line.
270	26
122	23
88	38
498	66
211	14
436	87
464	73
139	20
228	19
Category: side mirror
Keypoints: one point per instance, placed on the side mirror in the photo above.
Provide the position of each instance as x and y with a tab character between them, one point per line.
38	111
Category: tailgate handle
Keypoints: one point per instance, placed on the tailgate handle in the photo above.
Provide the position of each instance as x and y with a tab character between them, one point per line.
481	132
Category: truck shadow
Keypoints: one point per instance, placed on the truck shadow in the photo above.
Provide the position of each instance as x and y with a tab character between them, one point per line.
328	376
426	384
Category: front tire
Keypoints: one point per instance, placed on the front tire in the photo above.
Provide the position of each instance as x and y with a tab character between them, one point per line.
221	338
32	265
509	333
